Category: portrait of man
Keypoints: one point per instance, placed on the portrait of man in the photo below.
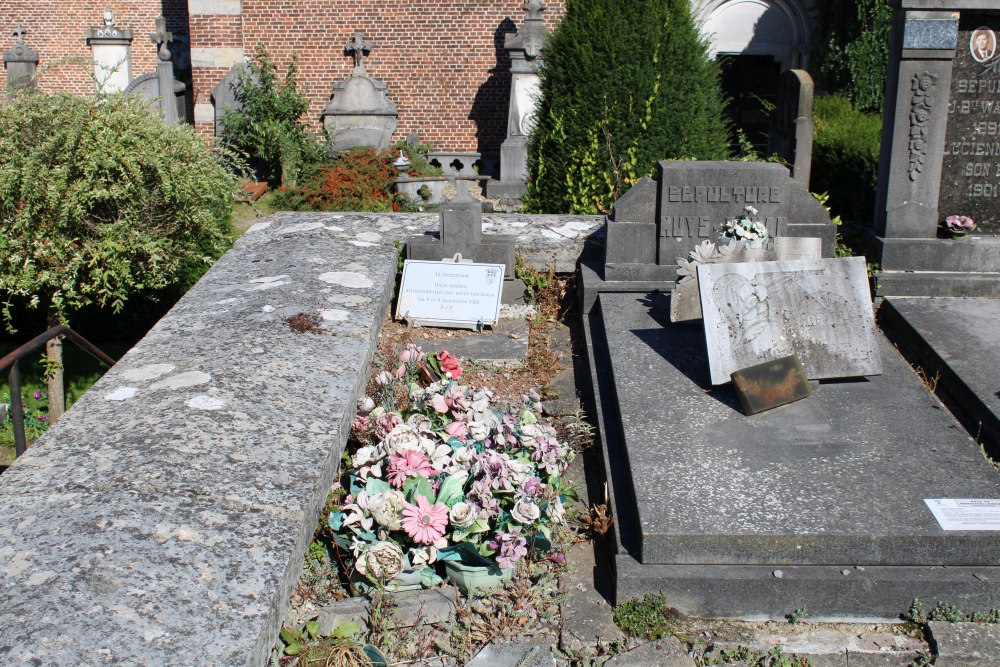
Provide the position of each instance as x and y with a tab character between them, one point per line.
982	44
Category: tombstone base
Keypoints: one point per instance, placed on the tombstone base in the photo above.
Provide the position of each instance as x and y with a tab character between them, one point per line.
824	592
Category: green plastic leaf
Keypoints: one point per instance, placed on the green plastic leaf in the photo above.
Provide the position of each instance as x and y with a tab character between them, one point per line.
336	520
345	630
376	486
450	491
418	486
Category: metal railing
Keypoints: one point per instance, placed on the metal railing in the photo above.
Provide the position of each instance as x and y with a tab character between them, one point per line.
14	377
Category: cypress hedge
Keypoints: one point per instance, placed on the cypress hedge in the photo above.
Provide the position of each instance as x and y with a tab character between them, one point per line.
624	84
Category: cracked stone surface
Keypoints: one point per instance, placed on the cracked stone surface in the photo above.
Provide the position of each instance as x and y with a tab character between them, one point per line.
164	519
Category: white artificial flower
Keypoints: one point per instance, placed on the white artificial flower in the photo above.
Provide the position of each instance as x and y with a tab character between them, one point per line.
381	561
525	512
462	515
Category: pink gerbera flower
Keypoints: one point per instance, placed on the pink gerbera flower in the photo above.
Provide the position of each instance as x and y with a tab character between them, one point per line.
423	522
408	463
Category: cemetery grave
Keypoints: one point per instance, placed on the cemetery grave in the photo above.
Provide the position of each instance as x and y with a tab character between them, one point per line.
822	504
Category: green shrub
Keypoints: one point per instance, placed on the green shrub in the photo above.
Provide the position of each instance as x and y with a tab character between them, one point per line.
268	128
624	84
845	157
855	57
100	200
359	179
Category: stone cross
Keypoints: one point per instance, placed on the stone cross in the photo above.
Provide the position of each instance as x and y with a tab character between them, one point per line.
19	32
161	38
358	48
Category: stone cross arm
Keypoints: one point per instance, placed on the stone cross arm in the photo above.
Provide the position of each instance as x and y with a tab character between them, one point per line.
358	48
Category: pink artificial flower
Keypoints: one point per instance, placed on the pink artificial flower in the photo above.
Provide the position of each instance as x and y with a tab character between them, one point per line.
457	429
386	422
410	353
439	404
449	364
959	223
361	424
423	522
38	395
409	463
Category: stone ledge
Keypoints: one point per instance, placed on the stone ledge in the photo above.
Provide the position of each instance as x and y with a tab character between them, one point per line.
964	644
542	240
164	519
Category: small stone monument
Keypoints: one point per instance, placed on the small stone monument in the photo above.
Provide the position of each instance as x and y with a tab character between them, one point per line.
164	92
110	44
20	62
525	49
224	95
359	112
791	133
657	221
462	234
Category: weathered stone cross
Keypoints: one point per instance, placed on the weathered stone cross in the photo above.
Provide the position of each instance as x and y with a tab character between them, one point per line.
19	32
358	48
162	37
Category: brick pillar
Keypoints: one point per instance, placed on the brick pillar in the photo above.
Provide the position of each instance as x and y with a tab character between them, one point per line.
216	45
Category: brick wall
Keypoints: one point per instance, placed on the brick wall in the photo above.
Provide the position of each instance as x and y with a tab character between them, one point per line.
57	30
442	60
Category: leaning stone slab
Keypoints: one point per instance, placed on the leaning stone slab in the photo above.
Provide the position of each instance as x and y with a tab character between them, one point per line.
685	302
760	311
163	520
965	644
409	609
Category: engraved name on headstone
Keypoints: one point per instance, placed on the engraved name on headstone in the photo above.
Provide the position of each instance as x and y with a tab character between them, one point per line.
970	183
820	310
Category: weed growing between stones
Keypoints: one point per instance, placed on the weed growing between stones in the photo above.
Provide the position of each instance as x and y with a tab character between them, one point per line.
949	613
645	618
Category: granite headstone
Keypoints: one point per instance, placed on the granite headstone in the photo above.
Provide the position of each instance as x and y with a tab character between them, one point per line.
659	221
461	233
970	183
20	61
820	310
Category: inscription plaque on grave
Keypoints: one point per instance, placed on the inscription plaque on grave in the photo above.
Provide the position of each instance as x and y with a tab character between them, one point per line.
970	184
450	294
820	310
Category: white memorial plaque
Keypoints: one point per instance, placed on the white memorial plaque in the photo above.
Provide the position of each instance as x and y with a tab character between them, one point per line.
449	294
965	513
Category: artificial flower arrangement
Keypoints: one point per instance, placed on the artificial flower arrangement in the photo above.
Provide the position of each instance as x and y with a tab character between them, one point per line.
959	225
745	226
446	475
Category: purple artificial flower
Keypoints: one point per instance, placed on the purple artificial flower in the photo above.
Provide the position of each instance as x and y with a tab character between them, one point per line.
959	223
510	547
38	395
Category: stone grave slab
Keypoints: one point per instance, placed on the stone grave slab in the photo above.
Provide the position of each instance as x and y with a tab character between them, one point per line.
761	311
816	504
956	341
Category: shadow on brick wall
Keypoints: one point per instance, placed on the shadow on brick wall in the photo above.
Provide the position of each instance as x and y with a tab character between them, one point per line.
178	23
489	108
